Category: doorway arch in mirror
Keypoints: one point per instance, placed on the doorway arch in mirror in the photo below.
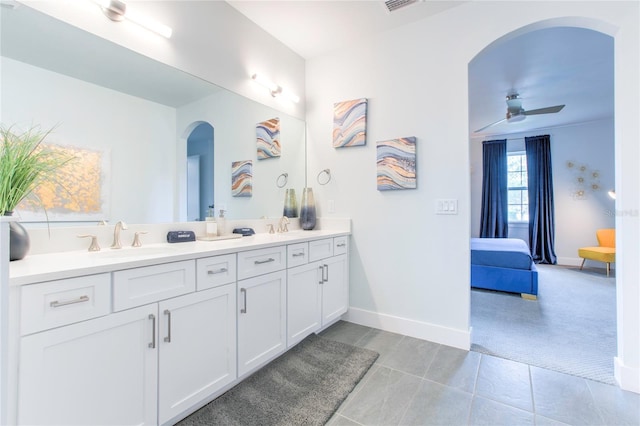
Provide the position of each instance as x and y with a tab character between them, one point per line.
200	170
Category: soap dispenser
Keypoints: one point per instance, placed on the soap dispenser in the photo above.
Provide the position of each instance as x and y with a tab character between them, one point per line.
212	226
222	223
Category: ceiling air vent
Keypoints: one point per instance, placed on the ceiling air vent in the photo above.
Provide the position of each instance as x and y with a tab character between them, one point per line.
392	5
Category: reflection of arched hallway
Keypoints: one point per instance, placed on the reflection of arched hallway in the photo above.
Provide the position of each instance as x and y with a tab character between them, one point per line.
196	139
200	167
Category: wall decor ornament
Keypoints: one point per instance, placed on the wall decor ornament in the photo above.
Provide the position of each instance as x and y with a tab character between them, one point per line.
268	139
241	175
584	180
396	160
80	192
349	123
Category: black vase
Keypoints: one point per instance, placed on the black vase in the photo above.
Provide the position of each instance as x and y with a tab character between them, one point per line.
18	240
307	210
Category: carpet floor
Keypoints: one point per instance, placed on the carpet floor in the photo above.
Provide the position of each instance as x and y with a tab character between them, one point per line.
304	386
571	328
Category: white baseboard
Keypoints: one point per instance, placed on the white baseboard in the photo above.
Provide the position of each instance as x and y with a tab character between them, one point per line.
577	261
420	330
628	378
569	261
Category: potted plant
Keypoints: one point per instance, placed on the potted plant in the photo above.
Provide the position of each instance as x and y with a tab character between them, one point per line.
25	162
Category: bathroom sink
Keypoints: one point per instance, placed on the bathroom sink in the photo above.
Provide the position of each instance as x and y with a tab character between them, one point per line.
133	252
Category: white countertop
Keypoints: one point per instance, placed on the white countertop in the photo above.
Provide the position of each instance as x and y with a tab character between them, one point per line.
53	266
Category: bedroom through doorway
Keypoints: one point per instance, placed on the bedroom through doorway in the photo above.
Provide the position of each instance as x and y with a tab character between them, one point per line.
571	327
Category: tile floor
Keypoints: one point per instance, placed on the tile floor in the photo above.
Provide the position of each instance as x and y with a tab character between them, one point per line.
415	382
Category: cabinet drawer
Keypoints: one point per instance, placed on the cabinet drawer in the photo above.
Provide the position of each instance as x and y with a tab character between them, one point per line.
139	286
340	245
320	249
215	271
55	303
257	262
297	254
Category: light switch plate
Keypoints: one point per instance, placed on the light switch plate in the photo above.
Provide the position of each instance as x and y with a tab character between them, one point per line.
446	206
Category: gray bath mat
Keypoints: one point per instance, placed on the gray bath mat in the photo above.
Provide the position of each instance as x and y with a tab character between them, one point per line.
305	386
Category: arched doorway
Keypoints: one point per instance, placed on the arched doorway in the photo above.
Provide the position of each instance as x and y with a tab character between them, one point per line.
200	171
511	64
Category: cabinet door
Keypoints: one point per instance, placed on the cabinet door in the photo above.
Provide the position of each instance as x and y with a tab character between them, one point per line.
197	348
101	371
335	288
304	301
261	320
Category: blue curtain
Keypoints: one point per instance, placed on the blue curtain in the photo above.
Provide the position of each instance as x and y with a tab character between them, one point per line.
494	220
541	210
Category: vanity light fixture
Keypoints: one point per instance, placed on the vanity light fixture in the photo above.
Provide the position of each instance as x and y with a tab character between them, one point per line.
274	89
117	10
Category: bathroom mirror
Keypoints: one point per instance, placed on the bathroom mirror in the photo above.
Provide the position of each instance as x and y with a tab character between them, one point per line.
140	115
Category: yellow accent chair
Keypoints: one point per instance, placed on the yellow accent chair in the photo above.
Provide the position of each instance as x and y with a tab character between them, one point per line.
606	250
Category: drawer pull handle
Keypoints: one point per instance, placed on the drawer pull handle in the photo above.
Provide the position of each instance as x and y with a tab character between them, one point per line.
342	244
152	345
298	254
260	262
217	271
168	314
57	304
244	294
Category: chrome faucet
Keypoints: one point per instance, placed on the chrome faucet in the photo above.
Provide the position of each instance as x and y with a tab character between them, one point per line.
282	225
116	235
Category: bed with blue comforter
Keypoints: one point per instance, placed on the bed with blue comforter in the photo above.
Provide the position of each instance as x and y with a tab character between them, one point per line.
503	264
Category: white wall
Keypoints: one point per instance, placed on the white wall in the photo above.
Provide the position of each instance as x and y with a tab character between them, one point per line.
410	267
577	218
137	135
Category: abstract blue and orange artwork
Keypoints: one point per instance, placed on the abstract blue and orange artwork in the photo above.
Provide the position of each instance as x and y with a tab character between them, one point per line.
349	123
241	175
268	139
396	159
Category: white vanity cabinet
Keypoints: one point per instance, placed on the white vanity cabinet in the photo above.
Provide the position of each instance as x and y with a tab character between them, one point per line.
196	337
318	291
304	294
197	348
144	364
261	307
148	343
101	371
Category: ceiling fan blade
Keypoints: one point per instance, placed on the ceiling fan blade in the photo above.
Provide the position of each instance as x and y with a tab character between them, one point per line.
547	110
489	125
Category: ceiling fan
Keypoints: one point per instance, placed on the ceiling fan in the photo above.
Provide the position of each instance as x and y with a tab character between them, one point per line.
516	113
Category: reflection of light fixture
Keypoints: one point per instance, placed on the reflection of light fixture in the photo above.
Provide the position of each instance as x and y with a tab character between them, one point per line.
117	10
274	89
612	193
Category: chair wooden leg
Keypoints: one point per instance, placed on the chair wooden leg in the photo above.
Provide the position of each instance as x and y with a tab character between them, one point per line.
583	260
608	269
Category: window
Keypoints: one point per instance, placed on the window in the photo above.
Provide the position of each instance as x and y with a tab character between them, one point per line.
517	184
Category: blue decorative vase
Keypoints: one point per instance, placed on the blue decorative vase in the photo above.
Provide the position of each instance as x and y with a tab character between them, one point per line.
290	203
307	210
19	241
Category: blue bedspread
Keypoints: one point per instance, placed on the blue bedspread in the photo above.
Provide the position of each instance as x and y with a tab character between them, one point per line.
501	252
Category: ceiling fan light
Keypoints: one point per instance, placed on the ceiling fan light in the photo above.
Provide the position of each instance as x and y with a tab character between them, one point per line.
514	103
